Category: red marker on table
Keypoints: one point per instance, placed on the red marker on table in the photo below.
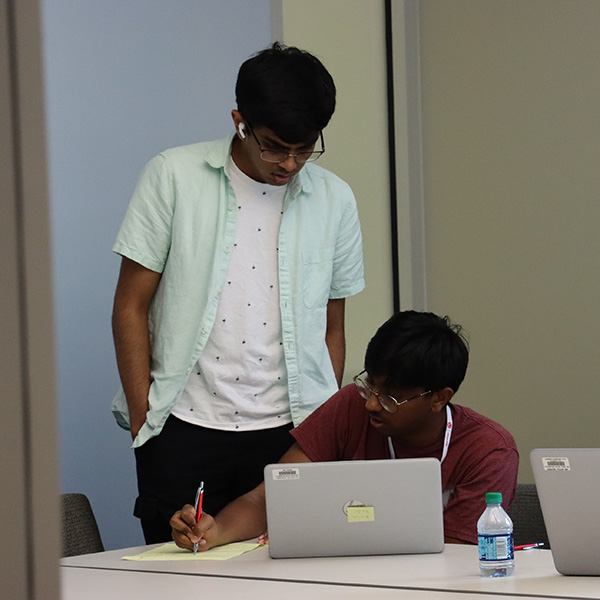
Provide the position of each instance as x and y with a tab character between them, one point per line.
198	508
529	546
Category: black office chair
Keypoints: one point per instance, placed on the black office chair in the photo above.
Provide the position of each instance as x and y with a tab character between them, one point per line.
80	534
527	518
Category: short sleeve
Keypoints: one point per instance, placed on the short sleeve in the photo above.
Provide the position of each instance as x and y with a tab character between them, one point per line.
348	270
145	234
323	434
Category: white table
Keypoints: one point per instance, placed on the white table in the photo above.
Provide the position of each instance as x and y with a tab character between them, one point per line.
451	574
102	584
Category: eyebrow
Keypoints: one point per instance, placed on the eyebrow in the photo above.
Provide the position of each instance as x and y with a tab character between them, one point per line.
275	144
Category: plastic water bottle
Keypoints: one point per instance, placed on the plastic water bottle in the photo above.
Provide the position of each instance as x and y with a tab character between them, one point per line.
494	529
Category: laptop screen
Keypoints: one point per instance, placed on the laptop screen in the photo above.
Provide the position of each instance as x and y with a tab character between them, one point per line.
567	481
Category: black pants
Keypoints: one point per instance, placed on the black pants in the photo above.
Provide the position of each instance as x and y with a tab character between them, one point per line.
171	465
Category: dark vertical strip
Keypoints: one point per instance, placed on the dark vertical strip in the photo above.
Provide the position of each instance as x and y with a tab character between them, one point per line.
20	234
392	155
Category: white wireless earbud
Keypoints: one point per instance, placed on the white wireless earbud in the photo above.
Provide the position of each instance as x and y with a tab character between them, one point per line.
241	131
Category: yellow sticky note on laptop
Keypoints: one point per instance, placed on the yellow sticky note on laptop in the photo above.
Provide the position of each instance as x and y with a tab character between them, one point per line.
359	514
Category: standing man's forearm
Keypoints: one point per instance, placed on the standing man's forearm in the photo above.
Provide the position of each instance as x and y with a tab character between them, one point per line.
132	348
335	336
135	290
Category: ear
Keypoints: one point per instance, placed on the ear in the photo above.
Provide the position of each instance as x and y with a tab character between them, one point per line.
441	398
236	115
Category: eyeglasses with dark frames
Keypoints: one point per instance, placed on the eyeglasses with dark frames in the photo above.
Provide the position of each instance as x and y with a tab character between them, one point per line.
279	156
388	402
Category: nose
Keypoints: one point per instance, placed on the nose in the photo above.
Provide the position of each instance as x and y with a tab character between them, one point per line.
372	404
289	164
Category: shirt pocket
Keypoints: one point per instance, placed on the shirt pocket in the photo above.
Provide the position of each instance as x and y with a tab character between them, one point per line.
317	272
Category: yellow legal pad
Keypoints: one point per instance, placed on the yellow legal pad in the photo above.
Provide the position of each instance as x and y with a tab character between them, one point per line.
171	552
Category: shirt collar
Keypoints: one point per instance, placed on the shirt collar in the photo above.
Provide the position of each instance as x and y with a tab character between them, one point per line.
219	153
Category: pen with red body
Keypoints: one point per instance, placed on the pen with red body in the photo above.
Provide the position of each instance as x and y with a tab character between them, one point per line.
529	546
198	508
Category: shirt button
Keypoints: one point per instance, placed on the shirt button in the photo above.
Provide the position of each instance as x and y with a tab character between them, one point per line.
230	207
227	249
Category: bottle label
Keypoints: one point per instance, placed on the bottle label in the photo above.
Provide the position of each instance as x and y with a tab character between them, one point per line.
496	547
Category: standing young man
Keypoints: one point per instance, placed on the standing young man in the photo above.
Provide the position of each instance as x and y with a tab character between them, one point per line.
228	317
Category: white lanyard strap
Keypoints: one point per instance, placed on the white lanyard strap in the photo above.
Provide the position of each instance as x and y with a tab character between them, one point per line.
447	436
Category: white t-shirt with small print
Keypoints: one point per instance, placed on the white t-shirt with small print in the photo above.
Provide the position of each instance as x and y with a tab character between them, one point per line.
239	383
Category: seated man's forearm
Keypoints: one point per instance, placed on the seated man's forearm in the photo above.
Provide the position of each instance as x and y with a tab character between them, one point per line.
243	518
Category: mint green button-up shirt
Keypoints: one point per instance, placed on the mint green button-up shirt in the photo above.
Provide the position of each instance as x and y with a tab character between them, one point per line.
181	223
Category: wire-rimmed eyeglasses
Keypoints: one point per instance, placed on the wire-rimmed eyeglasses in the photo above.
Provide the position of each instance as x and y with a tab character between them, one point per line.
279	156
388	403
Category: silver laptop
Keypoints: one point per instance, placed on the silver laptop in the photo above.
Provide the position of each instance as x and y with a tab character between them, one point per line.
354	508
568	485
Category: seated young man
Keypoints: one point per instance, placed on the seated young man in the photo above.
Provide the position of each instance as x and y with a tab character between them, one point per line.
398	407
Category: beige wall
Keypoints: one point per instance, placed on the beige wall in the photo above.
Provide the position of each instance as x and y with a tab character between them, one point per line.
511	144
348	36
511	135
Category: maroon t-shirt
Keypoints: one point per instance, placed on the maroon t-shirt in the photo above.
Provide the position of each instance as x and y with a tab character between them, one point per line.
482	456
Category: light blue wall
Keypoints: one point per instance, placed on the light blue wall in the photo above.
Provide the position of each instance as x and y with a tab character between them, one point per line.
124	80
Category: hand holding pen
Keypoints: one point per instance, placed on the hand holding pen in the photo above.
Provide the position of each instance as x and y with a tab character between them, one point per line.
198	508
193	528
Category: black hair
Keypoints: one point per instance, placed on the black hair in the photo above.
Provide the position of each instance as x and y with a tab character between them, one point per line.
287	90
418	350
